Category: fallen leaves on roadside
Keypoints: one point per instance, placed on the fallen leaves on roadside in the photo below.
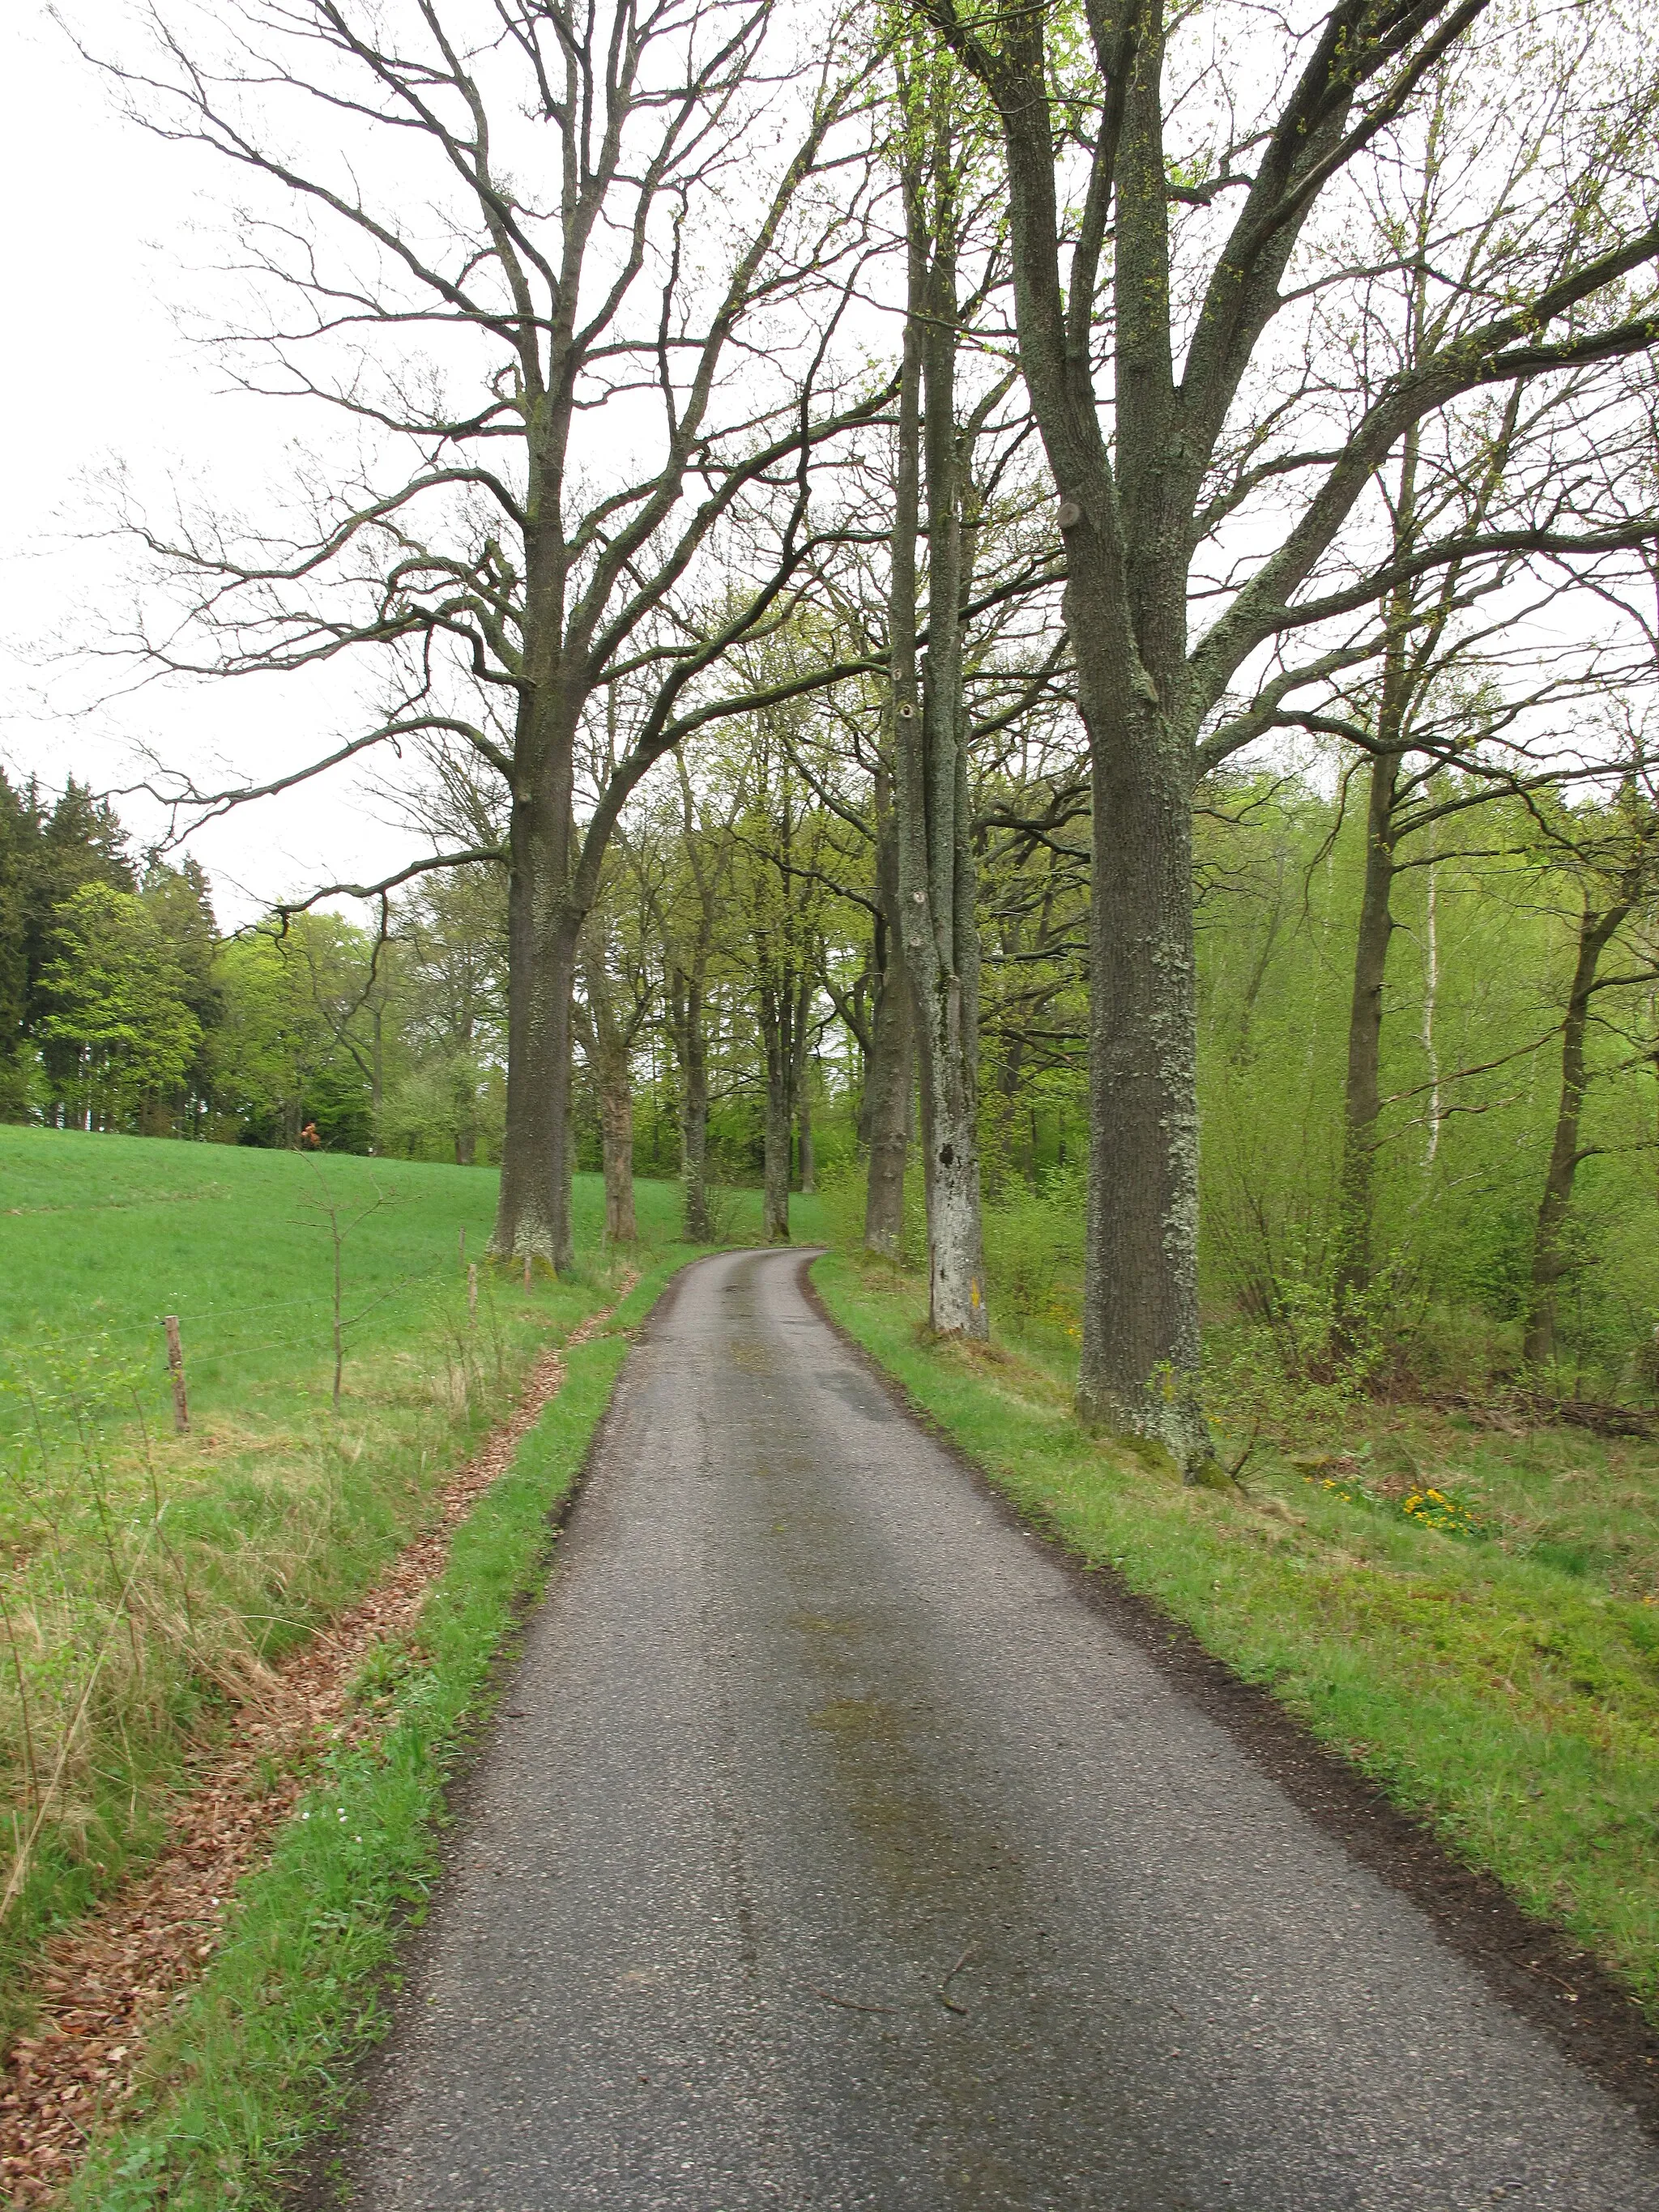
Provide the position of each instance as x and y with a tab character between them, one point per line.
105	1983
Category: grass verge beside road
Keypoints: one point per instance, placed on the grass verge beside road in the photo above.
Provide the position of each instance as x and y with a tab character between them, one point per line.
1509	1700
257	2061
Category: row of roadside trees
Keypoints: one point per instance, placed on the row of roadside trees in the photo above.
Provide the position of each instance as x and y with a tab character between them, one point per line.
1195	381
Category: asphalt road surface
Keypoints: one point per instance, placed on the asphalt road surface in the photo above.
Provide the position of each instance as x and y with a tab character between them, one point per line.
836	1852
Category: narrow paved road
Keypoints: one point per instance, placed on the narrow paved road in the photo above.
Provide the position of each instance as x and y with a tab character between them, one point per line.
835	1853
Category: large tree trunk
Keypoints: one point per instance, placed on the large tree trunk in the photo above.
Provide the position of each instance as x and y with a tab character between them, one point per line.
776	1117
532	1213
616	1090
956	1252
936	876
616	1134
1126	516
1362	1096
889	1080
690	1047
1548	1255
1137	1371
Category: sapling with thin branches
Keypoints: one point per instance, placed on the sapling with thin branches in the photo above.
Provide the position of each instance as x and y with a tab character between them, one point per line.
327	1208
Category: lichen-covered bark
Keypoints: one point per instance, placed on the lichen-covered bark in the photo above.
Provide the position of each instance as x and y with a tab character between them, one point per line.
956	1254
1125	521
532	1214
546	907
1139	1363
891	1075
936	891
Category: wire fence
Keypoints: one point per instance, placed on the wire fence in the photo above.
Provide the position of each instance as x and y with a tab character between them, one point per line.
242	1333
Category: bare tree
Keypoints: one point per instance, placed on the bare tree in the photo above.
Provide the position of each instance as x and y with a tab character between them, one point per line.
624	239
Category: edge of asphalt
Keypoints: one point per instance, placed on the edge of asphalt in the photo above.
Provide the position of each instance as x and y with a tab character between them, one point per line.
321	2178
1533	1968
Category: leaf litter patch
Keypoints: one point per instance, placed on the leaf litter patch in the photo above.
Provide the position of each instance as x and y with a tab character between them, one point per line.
105	1985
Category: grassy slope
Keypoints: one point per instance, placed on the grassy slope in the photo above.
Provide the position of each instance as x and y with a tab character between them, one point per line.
276	1510
107	1233
1511	1698
255	2064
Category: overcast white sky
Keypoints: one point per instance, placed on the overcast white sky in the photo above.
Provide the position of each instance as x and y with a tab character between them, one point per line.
91	369
106	231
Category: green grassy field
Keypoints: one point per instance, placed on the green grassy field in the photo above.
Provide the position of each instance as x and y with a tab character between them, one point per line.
103	1236
147	1576
1498	1674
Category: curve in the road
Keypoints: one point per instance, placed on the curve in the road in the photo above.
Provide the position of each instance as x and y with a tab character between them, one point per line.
835	1852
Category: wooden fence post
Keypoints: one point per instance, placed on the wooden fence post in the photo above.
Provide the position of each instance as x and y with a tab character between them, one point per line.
176	1362
473	1296
528	1263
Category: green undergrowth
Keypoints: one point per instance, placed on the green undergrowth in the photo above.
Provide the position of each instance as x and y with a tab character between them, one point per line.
258	2060
1501	1683
146	1577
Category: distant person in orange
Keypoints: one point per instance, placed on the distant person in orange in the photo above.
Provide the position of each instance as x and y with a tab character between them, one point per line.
309	1140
